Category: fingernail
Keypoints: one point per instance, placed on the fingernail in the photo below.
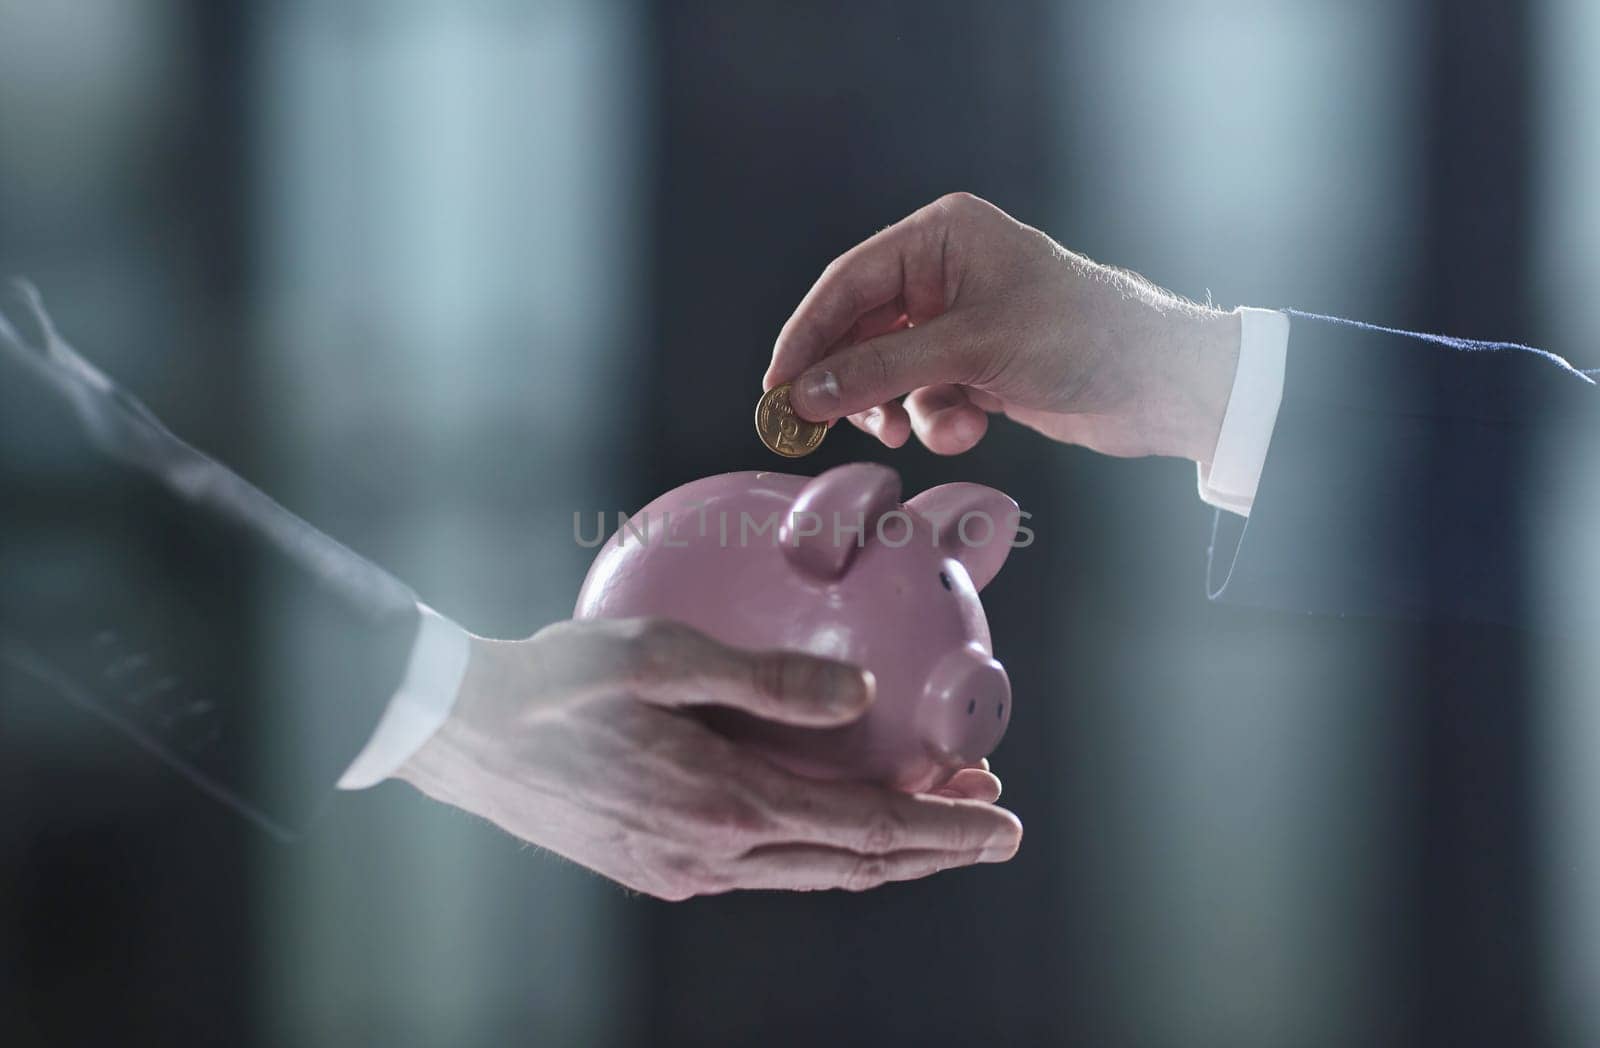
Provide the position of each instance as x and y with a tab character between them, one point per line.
854	693
1000	854
869	688
1003	846
872	420
819	390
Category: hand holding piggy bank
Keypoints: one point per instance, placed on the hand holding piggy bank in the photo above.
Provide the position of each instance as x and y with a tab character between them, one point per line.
835	566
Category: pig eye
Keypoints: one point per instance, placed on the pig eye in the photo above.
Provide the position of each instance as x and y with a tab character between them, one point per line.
972	706
944	579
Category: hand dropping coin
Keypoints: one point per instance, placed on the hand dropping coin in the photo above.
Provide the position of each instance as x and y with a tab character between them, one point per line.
781	430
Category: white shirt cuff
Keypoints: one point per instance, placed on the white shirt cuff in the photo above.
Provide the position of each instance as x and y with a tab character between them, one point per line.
1230	479
420	705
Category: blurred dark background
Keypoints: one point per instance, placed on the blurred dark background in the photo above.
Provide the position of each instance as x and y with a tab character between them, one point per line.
438	274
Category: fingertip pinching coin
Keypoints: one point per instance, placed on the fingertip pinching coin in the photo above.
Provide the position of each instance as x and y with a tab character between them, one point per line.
781	430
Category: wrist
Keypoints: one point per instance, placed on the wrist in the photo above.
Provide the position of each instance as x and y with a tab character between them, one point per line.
436	766
1190	381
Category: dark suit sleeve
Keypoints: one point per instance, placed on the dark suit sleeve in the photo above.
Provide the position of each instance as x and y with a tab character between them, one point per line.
1408	476
137	576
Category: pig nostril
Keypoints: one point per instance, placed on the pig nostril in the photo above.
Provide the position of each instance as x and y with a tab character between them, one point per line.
972	704
1000	712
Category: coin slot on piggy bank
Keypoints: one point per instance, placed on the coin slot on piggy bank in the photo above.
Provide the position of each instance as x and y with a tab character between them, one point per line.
836	566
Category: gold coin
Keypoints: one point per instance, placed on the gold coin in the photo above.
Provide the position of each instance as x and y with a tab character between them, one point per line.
781	430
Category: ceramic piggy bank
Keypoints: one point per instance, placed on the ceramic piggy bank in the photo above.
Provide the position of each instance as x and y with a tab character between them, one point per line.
836	566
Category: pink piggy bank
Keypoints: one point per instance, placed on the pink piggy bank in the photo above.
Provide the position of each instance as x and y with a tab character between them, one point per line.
838	567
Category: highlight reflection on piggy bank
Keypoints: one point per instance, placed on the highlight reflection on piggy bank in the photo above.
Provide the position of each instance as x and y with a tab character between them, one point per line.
838	567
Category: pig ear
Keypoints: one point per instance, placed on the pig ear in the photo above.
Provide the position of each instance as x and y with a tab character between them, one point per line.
982	543
845	498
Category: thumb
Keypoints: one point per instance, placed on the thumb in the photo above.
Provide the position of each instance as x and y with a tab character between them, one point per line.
878	370
783	686
792	688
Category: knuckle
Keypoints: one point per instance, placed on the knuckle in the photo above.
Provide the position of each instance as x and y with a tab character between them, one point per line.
982	356
841	281
669	891
871	372
651	873
767	678
868	872
732	825
659	884
655	648
964	208
663	634
683	875
557	631
816	332
885	832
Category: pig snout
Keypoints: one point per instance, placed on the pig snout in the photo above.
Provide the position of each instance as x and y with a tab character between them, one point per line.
965	707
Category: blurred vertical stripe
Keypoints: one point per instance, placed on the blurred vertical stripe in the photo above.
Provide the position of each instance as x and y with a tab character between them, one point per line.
448	215
1565	291
1239	832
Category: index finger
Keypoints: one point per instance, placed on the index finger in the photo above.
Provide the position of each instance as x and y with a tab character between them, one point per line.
876	820
903	265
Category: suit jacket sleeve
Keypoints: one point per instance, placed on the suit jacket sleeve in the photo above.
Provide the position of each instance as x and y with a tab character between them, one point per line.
1408	475
133	579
